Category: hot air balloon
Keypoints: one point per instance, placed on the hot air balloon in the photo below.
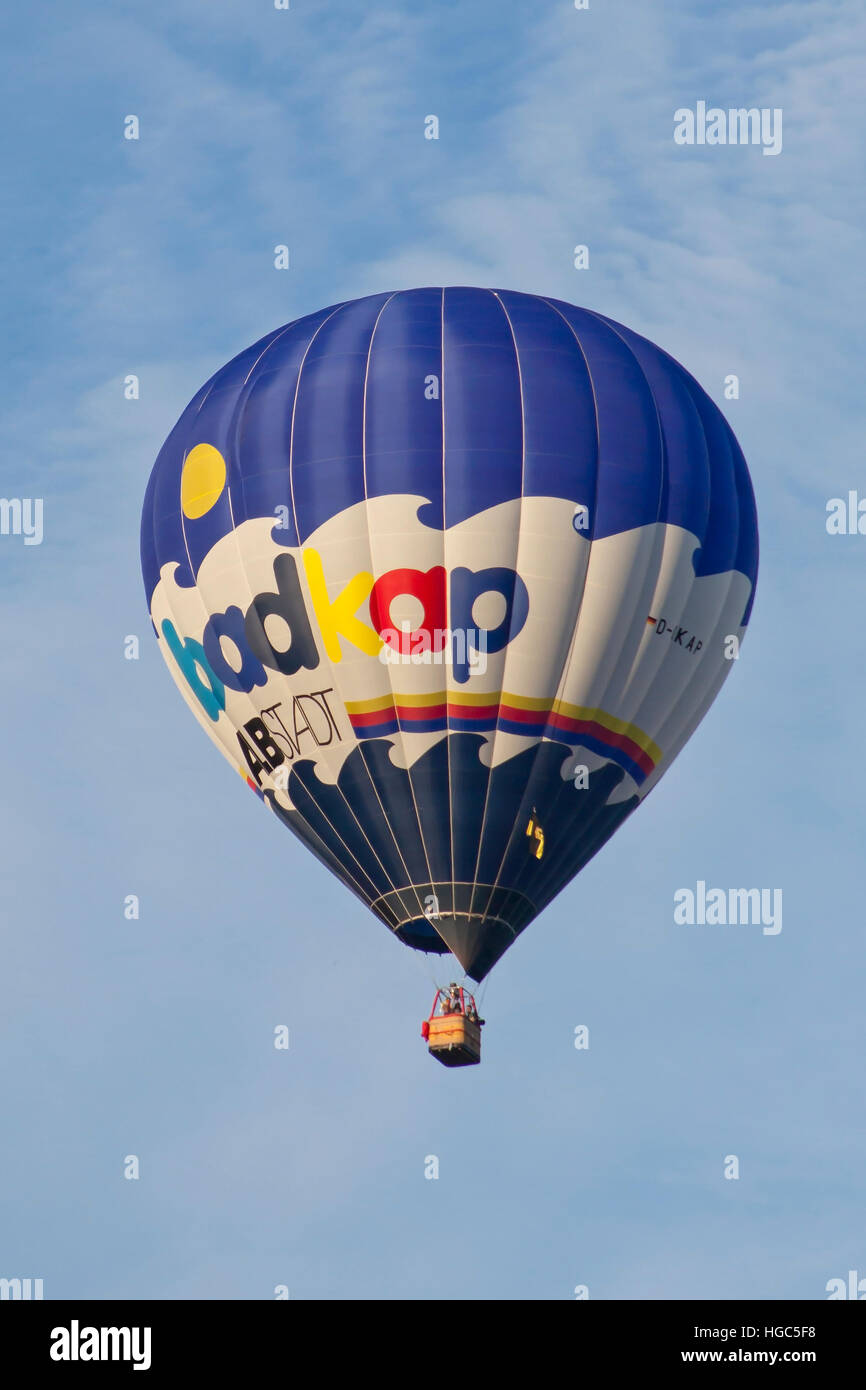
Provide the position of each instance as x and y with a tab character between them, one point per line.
450	576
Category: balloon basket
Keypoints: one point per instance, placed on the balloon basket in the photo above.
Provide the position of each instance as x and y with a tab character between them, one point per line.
453	1032
455	1041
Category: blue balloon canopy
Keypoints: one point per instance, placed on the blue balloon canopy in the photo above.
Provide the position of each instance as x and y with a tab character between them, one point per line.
448	449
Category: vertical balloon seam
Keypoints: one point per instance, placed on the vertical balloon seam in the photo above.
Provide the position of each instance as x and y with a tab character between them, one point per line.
687	687
678	715
651	574
233	434
173	615
534	772
152	523
698	668
488	740
530	790
410	886
567	664
679	718
710	463
491	742
225	744
404	750
656	555
743	485
661	516
745	488
636	677
652	558
402	730
648	573
386	877
293	819
406	887
233	462
688	721
367	895
350	855
492	739
302	830
445	671
189	558
717	679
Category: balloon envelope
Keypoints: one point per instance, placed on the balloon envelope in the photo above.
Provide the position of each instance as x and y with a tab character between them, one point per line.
450	576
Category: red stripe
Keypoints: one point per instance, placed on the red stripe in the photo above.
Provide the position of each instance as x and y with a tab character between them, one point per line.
373	716
405	713
473	711
585	726
408	714
524	716
588	726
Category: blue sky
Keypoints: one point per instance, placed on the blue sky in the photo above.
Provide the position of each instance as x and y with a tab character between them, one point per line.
557	1167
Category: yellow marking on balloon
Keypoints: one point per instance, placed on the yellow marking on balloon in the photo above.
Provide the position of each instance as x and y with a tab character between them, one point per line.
202	480
336	617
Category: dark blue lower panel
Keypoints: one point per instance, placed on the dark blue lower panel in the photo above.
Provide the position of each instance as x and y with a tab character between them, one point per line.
456	830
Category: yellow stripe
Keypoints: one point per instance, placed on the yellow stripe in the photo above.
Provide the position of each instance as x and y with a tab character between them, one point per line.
539	706
616	726
385	702
597	716
440	697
